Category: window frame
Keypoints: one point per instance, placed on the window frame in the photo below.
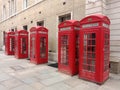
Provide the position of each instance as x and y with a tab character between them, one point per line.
25	4
42	22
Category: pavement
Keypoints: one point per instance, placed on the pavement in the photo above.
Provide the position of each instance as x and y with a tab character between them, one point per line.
20	74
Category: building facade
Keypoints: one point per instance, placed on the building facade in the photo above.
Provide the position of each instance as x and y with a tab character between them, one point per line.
23	14
28	13
111	8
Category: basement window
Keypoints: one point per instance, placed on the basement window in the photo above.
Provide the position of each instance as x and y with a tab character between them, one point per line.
12	30
25	27
15	28
64	17
40	23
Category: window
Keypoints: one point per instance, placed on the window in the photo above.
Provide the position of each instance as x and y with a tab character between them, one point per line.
64	17
12	7
4	12
106	51
89	55
64	49
3	37
25	27
9	8
25	4
43	47
32	51
23	44
15	28
12	30
40	23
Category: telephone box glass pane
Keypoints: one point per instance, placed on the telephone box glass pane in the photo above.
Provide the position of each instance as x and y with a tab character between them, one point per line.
23	45
89	55
64	49
33	47
77	48
11	44
43	47
106	52
16	45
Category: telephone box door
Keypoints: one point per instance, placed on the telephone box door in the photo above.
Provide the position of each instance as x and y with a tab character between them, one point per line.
64	50
32	47
89	56
43	45
23	42
12	43
9	43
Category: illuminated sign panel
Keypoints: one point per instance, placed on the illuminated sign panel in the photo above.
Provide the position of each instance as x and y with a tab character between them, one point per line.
90	25
65	28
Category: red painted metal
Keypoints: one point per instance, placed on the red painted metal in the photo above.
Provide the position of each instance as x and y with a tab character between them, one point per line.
21	44
9	43
94	48
68	47
39	45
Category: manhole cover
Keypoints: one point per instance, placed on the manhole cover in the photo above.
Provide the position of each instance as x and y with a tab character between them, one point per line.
16	68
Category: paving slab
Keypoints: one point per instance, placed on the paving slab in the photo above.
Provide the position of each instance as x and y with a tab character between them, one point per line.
104	87
20	74
4	77
3	87
24	87
112	83
53	80
12	83
7	70
29	80
57	86
73	82
37	85
83	86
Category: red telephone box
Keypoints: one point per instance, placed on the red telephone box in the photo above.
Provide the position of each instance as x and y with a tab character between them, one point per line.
21	44
94	48
38	45
9	43
68	47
